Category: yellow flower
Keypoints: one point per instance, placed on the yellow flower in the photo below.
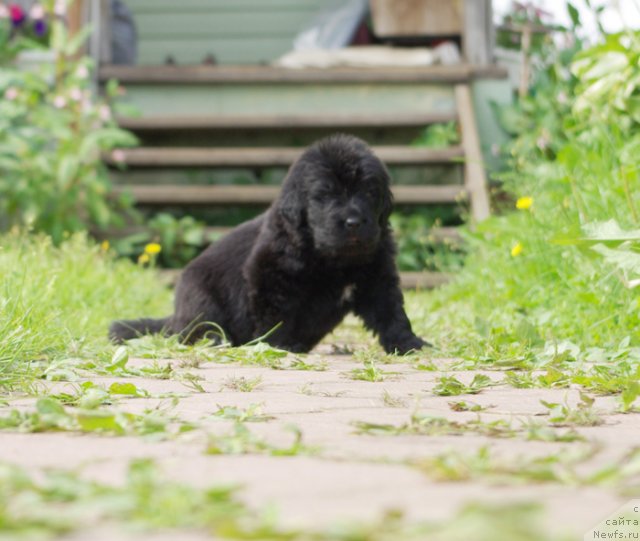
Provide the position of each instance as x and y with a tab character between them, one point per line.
516	250
104	246
143	258
152	248
524	203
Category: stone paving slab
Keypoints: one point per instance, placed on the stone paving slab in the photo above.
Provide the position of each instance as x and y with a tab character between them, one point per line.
351	476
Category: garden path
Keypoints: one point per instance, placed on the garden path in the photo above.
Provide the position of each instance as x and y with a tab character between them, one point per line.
337	473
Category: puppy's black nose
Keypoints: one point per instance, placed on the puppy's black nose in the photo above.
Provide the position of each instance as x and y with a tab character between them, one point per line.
352	222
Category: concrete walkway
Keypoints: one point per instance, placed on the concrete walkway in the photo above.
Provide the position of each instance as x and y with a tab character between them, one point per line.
341	474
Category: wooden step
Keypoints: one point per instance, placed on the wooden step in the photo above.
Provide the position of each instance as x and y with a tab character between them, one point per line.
204	74
423	279
438	234
284	122
264	195
265	157
408	280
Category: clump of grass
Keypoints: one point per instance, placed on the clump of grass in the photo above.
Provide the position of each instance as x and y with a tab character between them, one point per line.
392	401
56	302
242	441
581	415
242	384
50	414
452	386
463	405
429	425
252	414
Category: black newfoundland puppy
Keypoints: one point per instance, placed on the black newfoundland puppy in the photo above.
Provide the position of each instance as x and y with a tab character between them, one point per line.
323	249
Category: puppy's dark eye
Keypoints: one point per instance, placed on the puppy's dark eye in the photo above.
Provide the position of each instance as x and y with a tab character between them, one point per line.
372	195
323	196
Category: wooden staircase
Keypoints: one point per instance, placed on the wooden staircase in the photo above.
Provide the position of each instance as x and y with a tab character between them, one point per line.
260	119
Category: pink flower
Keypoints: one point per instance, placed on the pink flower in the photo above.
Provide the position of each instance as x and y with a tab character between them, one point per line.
17	14
59	102
60	8
118	155
542	143
75	94
4	12
11	93
82	72
105	113
36	12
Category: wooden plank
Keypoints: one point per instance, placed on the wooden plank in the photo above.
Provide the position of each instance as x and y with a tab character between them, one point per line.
423	280
410	175
392	18
208	6
212	26
225	50
341	98
202	195
121	232
276	156
235	122
445	234
475	176
439	234
420	195
263	195
408	280
271	74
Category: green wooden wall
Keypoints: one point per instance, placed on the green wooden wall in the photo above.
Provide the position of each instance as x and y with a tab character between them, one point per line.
233	31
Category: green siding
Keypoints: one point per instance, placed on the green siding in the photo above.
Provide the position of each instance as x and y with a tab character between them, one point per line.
290	99
226	51
234	31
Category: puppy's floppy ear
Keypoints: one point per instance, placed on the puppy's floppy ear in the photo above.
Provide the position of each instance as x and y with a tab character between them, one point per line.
386	195
292	203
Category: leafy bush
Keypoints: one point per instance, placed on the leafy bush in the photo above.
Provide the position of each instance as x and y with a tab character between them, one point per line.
532	283
439	135
52	134
420	249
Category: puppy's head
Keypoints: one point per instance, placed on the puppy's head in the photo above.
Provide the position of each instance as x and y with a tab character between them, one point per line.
338	190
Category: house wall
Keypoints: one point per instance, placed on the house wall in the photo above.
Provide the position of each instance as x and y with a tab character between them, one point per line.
231	31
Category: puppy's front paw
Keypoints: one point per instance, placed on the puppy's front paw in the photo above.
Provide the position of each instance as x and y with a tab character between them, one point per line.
406	345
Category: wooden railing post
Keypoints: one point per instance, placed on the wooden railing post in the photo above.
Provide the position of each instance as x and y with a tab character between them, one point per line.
475	176
479	33
100	20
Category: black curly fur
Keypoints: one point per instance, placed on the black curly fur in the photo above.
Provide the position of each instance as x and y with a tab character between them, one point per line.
323	249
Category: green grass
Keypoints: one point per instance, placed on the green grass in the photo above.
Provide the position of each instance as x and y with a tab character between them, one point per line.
56	302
